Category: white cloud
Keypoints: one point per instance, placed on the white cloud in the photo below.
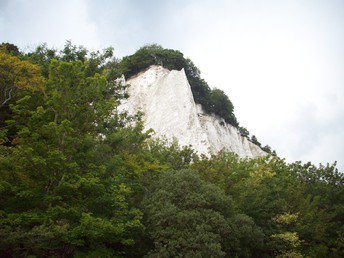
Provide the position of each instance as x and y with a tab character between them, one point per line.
280	64
53	22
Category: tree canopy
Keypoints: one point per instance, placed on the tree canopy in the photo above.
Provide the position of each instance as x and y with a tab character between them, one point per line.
80	179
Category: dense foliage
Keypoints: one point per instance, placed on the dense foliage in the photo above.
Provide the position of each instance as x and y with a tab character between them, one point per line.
78	179
212	101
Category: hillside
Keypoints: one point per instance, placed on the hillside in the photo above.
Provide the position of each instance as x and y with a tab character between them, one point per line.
79	178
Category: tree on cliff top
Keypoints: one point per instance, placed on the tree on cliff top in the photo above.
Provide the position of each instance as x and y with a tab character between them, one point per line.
212	101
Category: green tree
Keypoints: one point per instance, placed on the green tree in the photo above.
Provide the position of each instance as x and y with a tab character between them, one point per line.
186	216
267	149
244	132
16	74
223	107
255	141
79	179
101	62
61	192
17	78
10	49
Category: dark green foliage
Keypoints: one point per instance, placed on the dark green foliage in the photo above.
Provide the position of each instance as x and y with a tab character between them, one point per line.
10	49
77	179
245	238
267	149
212	101
244	132
255	141
222	106
186	215
149	55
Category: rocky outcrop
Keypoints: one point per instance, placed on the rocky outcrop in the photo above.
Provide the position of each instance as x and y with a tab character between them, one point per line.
167	102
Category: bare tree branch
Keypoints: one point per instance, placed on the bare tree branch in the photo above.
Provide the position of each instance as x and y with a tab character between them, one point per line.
8	99
8	94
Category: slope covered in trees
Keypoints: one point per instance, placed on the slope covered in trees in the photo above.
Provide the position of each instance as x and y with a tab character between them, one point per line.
77	179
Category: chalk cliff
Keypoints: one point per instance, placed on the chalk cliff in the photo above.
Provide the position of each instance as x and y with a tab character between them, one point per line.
166	99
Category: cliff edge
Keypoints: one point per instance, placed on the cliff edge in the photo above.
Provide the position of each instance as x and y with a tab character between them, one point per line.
166	99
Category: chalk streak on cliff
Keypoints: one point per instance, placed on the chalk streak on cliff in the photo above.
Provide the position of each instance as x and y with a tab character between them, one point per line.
166	100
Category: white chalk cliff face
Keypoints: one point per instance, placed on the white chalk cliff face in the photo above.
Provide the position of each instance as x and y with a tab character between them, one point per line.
167	102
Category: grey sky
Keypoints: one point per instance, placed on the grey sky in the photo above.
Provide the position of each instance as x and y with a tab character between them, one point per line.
280	62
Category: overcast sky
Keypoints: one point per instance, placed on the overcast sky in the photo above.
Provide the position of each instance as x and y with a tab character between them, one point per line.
280	62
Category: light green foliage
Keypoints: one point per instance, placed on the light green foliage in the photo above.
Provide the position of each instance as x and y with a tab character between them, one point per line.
288	242
290	238
282	198
101	62
16	78
60	191
79	179
172	155
286	219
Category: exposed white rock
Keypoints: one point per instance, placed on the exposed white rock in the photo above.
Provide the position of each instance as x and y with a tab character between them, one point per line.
167	102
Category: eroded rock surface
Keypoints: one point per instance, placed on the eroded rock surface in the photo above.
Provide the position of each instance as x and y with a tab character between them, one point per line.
166	100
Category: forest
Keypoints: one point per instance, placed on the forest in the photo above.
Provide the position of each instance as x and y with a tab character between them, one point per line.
79	179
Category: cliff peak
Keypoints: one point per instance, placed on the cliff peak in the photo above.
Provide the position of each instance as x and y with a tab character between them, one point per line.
166	99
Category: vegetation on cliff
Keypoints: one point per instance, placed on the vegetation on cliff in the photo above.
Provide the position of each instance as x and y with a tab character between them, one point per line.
77	179
212	101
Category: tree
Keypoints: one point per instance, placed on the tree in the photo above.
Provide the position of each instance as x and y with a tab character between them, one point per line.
63	189
244	132
222	106
267	149
9	49
186	215
79	179
17	75
17	78
255	141
101	62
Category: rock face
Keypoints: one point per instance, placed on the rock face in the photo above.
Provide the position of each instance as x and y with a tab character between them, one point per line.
167	102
